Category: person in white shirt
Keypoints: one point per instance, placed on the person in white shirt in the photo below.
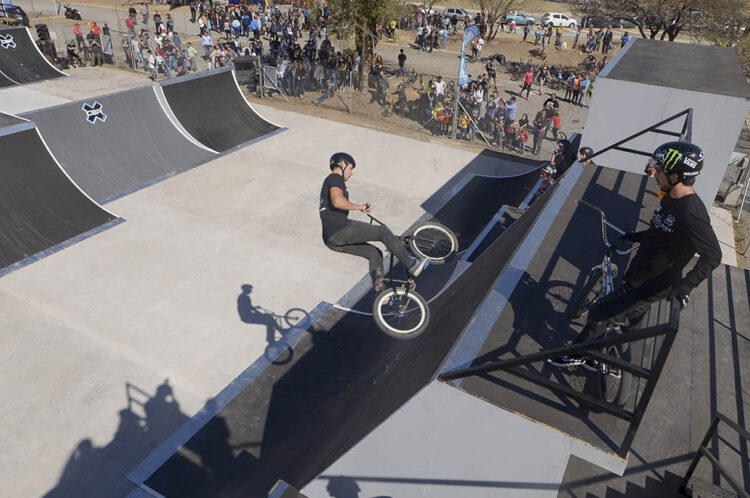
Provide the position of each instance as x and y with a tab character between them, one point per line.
480	45
439	87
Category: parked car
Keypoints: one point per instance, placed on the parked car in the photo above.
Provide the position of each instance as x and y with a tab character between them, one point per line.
13	15
461	14
521	18
624	23
556	19
595	22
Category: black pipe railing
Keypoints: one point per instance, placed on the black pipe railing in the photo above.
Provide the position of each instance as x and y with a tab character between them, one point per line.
686	135
703	452
593	349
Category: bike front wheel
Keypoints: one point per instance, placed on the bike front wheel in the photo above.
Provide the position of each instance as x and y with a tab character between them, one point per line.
434	241
400	313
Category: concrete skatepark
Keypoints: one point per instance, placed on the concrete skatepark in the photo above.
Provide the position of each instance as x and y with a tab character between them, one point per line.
143	350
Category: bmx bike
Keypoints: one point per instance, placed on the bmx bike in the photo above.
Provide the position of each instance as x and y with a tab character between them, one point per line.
399	311
614	384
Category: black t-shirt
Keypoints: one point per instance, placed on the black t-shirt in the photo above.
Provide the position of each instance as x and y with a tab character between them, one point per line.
679	229
401	60
555	103
333	219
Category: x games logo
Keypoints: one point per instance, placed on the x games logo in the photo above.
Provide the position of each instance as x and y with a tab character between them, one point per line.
6	41
94	112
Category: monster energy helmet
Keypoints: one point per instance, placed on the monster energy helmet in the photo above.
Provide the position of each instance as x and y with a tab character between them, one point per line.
683	158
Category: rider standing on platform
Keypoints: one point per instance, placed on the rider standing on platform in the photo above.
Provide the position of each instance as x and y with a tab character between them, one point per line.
349	236
679	229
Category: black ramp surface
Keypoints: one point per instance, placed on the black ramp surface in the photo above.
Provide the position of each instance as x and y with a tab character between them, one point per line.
39	206
212	109
344	379
20	60
469	211
535	317
114	144
5	81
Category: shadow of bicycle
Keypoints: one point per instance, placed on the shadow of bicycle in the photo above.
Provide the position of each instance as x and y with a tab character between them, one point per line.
277	327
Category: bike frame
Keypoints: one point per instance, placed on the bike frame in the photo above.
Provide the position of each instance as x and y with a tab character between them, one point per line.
608	281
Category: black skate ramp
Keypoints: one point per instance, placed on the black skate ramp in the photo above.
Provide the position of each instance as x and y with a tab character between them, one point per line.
211	107
20	59
115	144
343	379
40	208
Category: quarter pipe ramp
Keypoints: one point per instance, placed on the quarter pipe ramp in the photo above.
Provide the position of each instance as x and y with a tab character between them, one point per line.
114	144
211	107
40	207
20	59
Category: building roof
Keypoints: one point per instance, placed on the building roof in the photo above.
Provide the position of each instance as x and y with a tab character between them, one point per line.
685	66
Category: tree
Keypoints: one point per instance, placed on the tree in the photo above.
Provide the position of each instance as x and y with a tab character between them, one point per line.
495	12
360	19
655	16
722	22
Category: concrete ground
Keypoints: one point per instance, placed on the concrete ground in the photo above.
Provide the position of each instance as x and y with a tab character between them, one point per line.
111	344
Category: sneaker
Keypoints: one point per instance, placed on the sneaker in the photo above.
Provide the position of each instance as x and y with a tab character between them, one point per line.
590	364
377	285
417	268
566	361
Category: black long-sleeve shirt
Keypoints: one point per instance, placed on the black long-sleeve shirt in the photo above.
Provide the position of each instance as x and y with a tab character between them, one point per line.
679	229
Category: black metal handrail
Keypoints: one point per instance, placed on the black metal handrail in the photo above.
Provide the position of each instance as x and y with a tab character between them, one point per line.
703	452
685	135
592	348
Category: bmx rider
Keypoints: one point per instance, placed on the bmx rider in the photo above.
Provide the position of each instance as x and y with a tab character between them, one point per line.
679	228
341	234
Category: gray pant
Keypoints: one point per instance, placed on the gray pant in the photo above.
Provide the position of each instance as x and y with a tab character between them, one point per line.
353	239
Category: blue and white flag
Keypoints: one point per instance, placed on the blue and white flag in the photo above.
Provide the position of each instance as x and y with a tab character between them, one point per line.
469	34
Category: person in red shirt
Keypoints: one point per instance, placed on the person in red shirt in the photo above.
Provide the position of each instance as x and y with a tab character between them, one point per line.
528	79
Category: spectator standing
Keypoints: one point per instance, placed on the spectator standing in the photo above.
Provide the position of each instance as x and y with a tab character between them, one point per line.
439	87
538	126
480	46
526	31
512	26
511	106
191	53
401	62
585	82
541	76
624	39
528	79
607	41
144	14
207	43
537	34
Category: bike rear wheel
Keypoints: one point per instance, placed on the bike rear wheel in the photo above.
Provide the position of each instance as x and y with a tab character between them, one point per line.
434	241
614	383
400	313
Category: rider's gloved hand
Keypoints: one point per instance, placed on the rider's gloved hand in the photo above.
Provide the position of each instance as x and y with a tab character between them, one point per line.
681	294
631	237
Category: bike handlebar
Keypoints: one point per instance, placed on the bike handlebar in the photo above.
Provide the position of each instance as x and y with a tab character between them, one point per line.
606	224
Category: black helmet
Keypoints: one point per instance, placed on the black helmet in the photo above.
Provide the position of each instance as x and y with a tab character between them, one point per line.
586	152
683	158
341	156
565	144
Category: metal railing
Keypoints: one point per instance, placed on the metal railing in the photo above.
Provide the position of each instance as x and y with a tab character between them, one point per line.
704	452
685	134
514	366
